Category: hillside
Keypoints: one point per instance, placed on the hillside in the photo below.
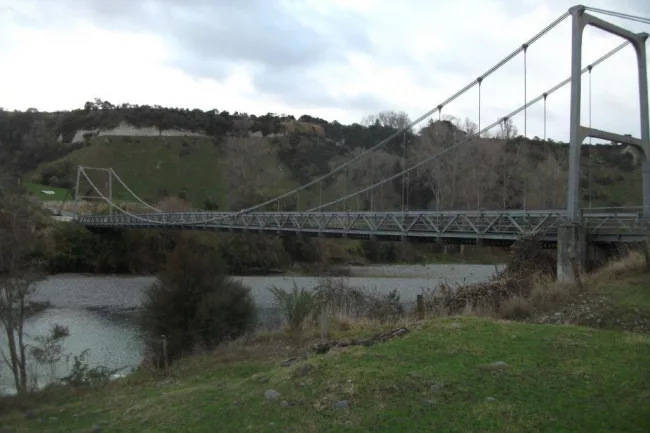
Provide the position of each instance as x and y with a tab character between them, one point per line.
230	161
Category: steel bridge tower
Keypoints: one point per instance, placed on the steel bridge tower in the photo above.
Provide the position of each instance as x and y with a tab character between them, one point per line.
572	245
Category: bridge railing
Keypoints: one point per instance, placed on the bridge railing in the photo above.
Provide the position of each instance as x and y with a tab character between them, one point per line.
508	224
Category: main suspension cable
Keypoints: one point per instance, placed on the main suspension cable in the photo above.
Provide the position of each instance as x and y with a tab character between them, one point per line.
132	193
407	127
233	214
620	15
473	136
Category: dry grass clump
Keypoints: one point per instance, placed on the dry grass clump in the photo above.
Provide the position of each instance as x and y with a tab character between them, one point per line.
516	308
507	292
335	305
547	293
527	287
630	265
344	301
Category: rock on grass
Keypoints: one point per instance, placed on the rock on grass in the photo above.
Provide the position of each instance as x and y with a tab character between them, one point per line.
341	404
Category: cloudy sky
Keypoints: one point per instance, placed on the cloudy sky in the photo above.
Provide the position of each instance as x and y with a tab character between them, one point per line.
336	59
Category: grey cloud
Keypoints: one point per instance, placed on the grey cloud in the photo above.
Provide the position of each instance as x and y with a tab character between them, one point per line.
299	89
208	36
257	31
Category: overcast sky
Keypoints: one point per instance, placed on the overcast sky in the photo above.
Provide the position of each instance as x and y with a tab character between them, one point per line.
336	59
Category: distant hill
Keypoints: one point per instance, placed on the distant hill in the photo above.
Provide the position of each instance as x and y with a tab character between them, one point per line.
228	161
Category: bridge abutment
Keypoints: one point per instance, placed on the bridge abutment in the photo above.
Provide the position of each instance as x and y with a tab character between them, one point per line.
571	251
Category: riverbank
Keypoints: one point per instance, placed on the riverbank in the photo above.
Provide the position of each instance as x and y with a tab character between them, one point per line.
455	375
461	373
73	249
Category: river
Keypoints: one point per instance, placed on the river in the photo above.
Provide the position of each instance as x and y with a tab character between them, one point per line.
100	311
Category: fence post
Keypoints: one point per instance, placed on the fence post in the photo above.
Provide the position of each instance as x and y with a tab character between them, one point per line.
646	250
323	322
163	340
420	307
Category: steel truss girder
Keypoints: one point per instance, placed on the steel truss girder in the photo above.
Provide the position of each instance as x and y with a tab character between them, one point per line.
477	225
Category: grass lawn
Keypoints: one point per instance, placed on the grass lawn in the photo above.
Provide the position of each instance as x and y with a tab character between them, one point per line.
36	190
632	293
436	378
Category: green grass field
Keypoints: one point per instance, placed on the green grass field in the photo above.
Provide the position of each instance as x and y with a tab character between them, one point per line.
36	190
437	378
151	165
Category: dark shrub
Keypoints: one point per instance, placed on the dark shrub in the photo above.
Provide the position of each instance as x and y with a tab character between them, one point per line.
527	260
344	300
195	304
253	253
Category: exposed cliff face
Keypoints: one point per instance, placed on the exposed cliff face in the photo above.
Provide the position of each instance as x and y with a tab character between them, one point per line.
125	129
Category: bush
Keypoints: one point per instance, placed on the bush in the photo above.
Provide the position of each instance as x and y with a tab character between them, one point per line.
210	204
195	304
296	306
386	307
516	308
82	375
527	258
73	248
344	301
527	264
253	253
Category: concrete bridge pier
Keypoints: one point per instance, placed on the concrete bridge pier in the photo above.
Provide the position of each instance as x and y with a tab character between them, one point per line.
571	252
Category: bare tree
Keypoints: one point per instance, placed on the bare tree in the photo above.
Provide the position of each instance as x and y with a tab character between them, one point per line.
445	175
508	129
363	173
394	119
18	271
470	127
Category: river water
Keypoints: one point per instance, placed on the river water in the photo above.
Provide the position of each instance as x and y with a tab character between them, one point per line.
101	311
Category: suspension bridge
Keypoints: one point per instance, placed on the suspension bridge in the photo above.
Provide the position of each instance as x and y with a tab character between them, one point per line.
572	230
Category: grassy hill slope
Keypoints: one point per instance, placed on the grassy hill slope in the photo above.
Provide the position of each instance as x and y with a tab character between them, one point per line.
235	172
505	171
153	166
231	173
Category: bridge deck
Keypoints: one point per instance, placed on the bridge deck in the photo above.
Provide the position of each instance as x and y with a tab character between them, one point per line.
416	225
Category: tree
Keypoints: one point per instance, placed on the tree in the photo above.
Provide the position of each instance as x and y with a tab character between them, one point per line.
393	119
508	129
195	304
248	175
19	269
